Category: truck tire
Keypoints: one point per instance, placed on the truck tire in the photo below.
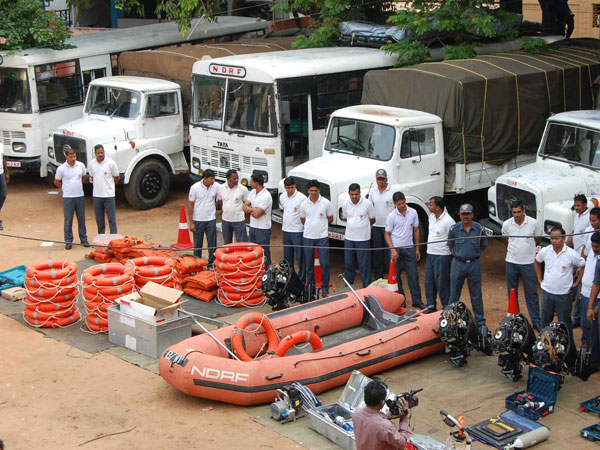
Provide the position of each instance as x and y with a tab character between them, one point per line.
149	185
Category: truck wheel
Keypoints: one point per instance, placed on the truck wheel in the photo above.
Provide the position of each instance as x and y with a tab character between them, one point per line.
148	186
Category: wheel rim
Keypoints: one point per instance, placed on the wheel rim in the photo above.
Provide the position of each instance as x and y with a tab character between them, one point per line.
150	185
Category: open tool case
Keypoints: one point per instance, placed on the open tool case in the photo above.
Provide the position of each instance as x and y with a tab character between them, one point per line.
543	387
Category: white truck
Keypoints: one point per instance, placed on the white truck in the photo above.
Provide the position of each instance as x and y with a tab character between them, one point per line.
139	122
567	163
446	129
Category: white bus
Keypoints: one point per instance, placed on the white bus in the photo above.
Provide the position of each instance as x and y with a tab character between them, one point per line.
41	88
268	112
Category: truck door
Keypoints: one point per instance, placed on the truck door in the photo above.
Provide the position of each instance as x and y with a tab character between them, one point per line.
163	123
421	165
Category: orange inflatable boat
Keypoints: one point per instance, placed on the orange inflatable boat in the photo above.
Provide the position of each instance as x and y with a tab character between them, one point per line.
318	344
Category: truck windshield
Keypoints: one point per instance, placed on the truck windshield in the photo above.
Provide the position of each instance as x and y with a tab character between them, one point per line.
366	139
573	144
113	102
14	91
208	98
249	108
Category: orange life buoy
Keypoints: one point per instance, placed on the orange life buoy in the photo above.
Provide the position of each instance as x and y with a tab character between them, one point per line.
72	295
297	338
109	274
41	315
33	282
153	266
241	288
260	319
49	306
51	269
52	294
54	323
250	267
239	252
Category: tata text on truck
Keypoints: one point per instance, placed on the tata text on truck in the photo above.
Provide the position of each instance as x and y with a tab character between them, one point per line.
42	88
448	129
267	113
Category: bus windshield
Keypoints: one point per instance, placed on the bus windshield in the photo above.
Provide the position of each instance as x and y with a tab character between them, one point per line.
14	91
113	102
249	107
359	138
208	102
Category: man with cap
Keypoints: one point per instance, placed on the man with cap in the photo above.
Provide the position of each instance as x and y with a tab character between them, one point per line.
381	197
202	214
466	240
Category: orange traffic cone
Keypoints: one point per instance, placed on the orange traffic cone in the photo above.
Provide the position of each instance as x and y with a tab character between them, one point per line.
392	279
318	271
513	304
183	239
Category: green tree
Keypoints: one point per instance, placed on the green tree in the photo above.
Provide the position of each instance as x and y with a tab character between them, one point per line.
24	24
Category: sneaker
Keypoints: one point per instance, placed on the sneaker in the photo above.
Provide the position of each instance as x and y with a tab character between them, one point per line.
418	305
68	246
85	243
576	324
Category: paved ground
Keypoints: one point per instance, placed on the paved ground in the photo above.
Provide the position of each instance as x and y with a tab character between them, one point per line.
54	396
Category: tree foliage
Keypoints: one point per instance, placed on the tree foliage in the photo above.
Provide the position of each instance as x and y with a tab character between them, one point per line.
24	24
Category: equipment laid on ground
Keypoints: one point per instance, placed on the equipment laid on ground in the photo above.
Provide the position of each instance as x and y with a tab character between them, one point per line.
513	341
591	405
591	433
554	350
11	278
509	430
539	398
158	269
458	331
201	367
411	398
281	286
459	438
288	406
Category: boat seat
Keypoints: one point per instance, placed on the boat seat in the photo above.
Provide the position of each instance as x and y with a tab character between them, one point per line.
384	318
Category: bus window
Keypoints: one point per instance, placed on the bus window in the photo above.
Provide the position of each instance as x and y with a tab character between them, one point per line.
114	64
249	107
335	91
14	91
113	102
90	75
58	85
209	94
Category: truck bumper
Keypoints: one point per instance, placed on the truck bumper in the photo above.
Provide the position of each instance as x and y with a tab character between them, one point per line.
492	229
24	163
334	231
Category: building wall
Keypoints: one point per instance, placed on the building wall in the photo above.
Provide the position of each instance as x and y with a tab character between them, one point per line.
584	16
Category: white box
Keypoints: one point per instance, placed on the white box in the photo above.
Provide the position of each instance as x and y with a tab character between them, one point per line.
154	303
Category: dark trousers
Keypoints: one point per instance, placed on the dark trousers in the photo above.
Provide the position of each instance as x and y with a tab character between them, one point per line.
574	296
532	300
437	279
309	259
362	257
559	304
586	325
71	206
234	228
381	258
106	205
407	260
262	237
292	242
208	227
472	272
3	191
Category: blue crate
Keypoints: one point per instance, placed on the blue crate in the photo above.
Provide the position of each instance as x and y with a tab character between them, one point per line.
591	433
16	276
591	405
543	385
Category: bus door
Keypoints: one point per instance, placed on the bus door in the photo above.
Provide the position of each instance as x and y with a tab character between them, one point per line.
294	125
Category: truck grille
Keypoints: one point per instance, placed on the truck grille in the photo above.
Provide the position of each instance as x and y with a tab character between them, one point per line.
221	162
302	186
507	194
78	144
8	137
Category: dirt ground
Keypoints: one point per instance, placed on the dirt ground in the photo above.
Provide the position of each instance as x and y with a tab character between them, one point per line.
52	396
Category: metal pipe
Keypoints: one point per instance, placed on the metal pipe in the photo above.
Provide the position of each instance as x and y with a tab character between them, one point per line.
358	297
216	340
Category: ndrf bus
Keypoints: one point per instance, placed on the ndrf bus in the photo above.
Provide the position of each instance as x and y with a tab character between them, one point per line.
268	112
41	88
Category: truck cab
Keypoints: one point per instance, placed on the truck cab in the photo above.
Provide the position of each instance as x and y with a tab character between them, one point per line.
567	163
139	122
360	140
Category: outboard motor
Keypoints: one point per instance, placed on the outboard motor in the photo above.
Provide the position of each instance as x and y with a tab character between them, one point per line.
458	331
513	342
281	286
554	350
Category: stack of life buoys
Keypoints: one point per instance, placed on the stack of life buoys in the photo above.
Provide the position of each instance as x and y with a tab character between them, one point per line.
51	300
239	268
102	285
158	269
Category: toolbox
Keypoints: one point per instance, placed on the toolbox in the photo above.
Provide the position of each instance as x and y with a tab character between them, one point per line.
591	405
14	277
591	433
319	419
542	387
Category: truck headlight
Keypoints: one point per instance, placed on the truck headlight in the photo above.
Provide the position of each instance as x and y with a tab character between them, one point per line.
548	225
196	163
491	209
19	147
50	152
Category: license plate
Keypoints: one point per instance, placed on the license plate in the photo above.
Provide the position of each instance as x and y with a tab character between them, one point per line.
488	231
13	163
175	358
336	236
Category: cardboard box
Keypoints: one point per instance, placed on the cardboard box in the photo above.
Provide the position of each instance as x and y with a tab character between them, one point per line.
14	294
154	303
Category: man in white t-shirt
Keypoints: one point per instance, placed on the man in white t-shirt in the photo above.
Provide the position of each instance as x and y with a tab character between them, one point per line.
581	221
557	279
316	213
381	197
520	254
259	206
589	329
232	195
202	214
291	225
69	178
104	175
4	180
359	214
439	258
